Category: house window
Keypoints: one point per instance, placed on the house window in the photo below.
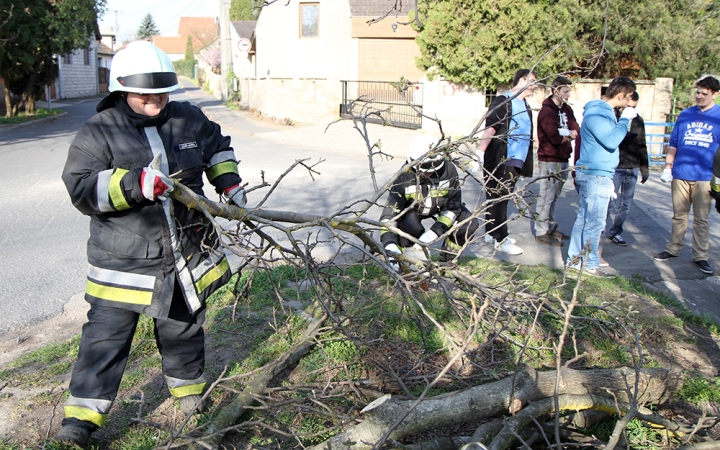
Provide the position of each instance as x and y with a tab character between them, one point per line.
86	56
309	13
66	59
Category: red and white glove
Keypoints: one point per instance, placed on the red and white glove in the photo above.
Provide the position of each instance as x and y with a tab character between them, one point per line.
153	183
237	195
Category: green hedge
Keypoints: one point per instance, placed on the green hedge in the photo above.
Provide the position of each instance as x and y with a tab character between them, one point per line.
185	67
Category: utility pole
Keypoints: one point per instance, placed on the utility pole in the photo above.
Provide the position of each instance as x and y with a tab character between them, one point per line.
225	56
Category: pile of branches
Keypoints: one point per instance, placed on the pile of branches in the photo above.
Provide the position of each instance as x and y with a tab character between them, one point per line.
525	407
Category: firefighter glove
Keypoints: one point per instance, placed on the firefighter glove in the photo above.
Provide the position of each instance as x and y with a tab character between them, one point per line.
428	236
153	183
666	176
237	195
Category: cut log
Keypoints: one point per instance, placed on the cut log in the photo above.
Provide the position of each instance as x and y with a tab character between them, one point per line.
493	399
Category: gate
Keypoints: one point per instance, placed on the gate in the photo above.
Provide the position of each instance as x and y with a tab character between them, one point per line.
396	104
103	77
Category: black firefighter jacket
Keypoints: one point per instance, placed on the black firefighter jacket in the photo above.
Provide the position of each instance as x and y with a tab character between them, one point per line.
436	196
138	248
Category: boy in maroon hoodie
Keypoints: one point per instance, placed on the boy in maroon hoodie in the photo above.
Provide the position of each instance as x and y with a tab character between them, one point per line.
556	129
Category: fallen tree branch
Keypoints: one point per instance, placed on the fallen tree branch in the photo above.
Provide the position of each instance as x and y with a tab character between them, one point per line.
493	399
229	415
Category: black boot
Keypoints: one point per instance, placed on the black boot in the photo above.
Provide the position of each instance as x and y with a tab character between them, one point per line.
73	435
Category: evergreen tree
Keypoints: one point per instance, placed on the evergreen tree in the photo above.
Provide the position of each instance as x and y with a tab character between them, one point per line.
147	28
189	53
245	9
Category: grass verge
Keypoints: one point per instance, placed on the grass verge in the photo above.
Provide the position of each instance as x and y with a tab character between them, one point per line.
385	340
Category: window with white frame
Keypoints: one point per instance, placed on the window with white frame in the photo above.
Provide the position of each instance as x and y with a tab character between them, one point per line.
309	20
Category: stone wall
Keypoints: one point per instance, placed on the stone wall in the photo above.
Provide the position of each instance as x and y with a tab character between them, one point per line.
315	101
460	108
78	79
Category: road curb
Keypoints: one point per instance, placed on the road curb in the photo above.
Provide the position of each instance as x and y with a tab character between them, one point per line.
4	128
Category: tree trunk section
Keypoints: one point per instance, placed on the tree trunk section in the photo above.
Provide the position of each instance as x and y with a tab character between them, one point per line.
493	399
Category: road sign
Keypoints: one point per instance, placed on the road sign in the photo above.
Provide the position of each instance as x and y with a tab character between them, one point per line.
244	45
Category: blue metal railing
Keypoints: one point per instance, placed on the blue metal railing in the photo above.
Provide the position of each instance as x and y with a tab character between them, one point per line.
656	142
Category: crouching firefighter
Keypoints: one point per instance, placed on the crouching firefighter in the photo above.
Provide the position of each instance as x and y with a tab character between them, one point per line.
429	190
147	254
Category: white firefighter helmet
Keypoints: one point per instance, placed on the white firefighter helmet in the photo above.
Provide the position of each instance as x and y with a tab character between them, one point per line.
419	147
142	68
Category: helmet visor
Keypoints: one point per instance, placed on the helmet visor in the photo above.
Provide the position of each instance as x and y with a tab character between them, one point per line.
431	165
156	80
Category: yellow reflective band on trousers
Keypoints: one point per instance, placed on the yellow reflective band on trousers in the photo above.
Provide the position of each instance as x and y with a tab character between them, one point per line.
221	169
115	190
715	184
118	294
445	220
212	275
184	391
452	246
86	414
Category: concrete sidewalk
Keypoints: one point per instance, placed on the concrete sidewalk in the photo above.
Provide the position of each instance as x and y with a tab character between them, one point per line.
647	228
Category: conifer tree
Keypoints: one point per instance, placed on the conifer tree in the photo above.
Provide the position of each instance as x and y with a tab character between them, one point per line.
189	53
147	28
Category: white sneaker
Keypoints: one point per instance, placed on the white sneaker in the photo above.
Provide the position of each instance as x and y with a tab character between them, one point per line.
491	240
508	246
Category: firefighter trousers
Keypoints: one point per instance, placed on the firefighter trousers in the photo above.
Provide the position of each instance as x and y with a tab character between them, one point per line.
104	350
411	223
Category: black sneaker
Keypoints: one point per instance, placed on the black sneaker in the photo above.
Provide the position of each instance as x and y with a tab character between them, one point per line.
73	435
704	266
664	256
617	239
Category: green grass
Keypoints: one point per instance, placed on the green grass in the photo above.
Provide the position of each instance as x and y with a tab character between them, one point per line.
380	323
700	390
40	113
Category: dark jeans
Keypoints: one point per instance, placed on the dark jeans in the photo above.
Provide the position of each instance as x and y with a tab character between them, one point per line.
624	181
498	185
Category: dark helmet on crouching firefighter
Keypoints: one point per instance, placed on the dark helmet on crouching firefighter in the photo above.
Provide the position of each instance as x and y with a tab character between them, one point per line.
419	148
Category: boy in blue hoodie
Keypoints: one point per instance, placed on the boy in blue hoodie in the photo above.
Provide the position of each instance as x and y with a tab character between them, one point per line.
600	134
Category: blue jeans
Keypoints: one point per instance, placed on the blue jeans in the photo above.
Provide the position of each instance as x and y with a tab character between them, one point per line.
594	192
624	181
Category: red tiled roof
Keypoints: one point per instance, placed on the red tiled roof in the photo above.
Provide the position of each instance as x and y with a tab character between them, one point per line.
176	44
104	49
203	31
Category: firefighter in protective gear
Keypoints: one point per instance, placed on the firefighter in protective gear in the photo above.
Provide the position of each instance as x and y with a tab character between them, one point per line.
147	254
431	189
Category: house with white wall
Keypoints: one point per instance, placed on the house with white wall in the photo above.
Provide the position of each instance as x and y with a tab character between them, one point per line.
308	53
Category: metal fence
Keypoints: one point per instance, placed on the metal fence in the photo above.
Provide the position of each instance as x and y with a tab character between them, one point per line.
656	142
395	104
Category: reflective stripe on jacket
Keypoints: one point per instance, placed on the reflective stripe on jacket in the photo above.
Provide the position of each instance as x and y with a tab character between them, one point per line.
137	248
436	196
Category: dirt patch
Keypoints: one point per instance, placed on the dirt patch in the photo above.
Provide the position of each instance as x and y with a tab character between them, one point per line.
56	329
